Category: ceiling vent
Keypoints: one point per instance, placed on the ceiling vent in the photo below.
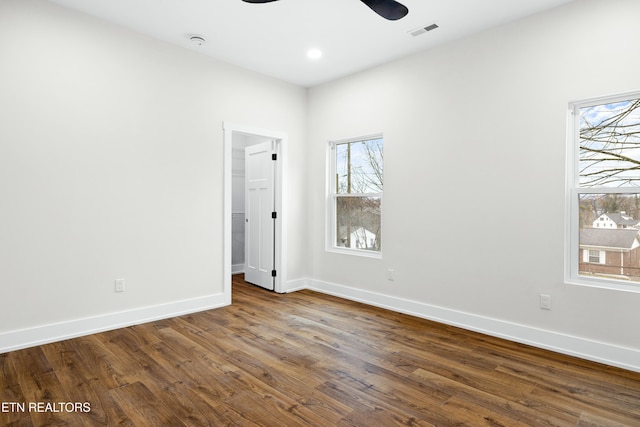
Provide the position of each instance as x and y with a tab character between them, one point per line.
422	30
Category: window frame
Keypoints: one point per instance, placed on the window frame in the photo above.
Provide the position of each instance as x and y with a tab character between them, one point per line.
332	197
572	195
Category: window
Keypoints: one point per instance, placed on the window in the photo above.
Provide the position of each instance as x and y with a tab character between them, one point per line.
355	196
594	257
603	193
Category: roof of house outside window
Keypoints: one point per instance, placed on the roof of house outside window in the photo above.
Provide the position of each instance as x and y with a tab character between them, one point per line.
611	238
622	219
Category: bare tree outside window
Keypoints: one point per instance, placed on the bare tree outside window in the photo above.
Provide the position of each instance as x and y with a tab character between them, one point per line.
358	193
609	190
610	145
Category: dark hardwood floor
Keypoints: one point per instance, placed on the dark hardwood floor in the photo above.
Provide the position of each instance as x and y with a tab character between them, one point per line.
307	359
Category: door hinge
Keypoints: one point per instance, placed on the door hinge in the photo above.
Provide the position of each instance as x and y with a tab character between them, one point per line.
274	156
274	215
273	273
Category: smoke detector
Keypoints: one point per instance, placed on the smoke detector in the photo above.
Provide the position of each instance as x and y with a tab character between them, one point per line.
197	40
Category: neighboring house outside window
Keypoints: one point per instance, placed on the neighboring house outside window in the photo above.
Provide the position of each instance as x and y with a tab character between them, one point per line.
355	196
603	193
613	253
615	220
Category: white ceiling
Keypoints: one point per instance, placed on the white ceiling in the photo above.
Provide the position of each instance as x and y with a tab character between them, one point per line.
273	38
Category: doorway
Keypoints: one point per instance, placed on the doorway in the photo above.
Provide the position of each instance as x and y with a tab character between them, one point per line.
237	139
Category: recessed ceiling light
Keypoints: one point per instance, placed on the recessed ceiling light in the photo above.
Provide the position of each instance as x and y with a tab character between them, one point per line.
314	53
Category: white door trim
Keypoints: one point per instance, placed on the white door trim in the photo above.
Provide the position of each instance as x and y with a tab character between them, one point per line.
280	201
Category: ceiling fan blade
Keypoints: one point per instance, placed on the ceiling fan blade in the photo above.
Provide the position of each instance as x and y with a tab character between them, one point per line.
388	9
258	1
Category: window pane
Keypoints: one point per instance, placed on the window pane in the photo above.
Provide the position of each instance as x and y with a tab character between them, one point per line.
359	167
358	223
610	145
609	243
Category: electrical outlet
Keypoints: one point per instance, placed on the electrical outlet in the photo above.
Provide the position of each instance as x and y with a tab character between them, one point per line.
391	274
545	302
119	285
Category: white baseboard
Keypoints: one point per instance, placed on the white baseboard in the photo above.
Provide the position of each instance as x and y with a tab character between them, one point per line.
295	285
19	339
609	354
237	268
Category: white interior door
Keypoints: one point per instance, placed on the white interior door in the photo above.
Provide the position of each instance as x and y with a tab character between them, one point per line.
259	206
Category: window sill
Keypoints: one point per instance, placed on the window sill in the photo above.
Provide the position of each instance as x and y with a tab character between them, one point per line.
356	252
612	285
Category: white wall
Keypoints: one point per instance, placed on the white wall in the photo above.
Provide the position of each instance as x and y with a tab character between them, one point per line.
473	217
111	166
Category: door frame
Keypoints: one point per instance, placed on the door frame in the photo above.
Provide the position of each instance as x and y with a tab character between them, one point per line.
281	140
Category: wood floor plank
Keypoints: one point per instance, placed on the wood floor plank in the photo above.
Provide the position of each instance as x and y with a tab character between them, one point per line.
145	408
308	359
76	379
520	408
11	393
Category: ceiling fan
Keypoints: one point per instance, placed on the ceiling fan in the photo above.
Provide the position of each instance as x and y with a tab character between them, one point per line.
388	9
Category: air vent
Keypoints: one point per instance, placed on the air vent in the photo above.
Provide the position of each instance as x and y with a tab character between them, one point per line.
422	30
